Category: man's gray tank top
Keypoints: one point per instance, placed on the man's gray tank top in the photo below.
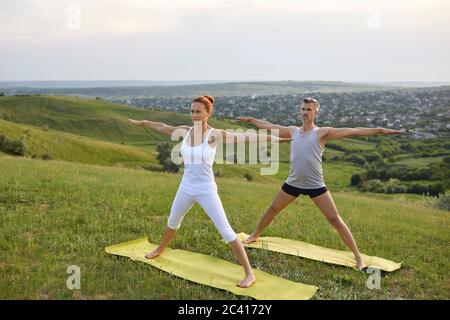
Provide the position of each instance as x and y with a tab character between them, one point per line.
306	160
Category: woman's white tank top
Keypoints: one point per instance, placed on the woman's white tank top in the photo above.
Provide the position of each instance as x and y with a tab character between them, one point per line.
198	176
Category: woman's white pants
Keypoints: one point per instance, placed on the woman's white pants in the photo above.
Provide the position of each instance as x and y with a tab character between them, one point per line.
212	205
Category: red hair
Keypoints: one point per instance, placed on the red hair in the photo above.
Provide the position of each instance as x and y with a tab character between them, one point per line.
207	101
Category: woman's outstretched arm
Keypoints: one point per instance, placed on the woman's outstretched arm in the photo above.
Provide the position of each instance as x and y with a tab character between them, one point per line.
158	126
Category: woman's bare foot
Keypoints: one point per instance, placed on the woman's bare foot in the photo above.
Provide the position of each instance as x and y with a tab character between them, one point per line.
360	265
248	281
251	238
155	253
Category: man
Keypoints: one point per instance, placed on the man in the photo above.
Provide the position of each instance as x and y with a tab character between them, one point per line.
306	175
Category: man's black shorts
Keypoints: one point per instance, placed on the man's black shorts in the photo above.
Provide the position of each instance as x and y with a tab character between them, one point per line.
294	191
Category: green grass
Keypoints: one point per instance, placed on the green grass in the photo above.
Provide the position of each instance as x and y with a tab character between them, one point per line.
87	117
55	214
98	119
69	147
419	162
355	144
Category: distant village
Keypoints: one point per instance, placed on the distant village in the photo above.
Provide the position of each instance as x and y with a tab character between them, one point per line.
423	113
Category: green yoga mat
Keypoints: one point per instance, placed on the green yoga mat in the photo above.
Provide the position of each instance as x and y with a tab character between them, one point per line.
311	251
214	272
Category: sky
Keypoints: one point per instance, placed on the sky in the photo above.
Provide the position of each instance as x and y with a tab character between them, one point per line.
243	40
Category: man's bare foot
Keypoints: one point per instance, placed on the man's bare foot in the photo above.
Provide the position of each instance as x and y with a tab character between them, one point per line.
251	238
360	265
153	254
248	281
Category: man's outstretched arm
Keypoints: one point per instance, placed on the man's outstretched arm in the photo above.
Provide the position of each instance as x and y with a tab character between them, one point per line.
284	132
328	134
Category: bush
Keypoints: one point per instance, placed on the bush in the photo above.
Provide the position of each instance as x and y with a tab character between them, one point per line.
374	156
436	189
169	166
356	180
16	147
357	159
164	151
336	147
418	188
400	189
444	202
46	156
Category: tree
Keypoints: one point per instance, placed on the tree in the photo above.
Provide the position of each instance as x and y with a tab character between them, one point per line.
357	159
374	156
164	150
436	189
169	166
356	179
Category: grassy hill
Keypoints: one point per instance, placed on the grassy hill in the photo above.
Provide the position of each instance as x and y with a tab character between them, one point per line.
87	117
56	214
95	118
419	162
53	144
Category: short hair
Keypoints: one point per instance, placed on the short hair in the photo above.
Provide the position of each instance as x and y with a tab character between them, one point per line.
312	100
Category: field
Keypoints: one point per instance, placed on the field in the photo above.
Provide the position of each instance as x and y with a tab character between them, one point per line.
56	214
98	189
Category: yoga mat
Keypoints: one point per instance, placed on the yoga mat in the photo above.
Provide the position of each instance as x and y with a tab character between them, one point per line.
214	272
311	251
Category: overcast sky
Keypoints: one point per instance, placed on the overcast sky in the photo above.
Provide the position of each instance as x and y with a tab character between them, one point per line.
346	40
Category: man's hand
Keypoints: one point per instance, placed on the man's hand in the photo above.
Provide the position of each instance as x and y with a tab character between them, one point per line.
390	131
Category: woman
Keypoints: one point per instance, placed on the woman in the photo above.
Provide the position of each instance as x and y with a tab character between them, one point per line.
198	150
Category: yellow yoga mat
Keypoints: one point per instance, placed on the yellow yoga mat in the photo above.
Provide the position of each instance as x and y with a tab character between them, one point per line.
311	251
214	272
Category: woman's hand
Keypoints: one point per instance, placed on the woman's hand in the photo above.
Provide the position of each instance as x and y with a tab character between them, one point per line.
137	122
245	119
282	140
